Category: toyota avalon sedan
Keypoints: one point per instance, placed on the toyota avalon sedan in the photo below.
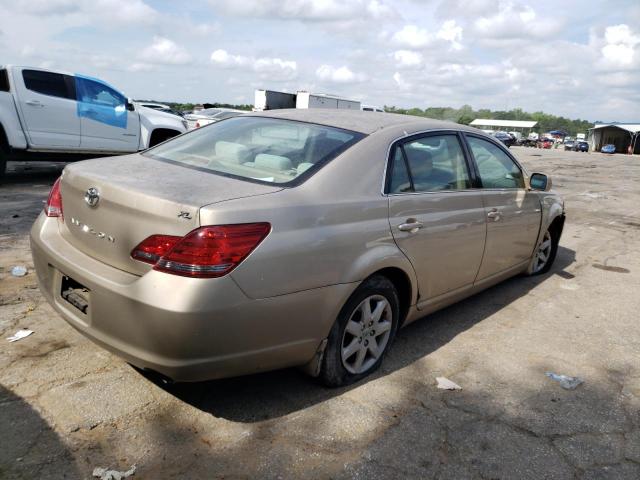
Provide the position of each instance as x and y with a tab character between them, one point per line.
287	238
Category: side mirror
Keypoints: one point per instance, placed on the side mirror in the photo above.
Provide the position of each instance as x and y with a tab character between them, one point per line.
539	181
130	105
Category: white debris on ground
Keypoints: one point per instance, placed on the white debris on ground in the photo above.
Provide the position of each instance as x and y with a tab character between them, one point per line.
106	474
566	382
20	334
19	271
446	384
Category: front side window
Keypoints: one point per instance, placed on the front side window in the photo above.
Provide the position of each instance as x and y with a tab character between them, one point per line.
496	168
257	148
49	83
435	163
100	102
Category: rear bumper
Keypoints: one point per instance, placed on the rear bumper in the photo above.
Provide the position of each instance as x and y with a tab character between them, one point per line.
186	329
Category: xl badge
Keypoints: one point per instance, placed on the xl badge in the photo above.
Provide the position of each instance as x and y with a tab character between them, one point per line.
92	197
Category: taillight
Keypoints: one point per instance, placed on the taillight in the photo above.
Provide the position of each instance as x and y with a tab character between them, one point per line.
206	252
53	207
197	124
154	247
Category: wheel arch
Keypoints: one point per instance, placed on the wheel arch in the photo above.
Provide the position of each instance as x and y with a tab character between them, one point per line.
403	286
556	226
4	140
159	135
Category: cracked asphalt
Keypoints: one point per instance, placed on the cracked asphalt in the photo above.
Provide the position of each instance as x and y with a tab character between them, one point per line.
67	406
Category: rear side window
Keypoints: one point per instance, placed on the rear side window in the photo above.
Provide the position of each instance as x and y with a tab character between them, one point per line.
435	163
4	80
400	180
49	83
496	168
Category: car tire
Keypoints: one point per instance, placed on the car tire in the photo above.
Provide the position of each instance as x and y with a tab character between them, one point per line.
3	166
545	254
349	355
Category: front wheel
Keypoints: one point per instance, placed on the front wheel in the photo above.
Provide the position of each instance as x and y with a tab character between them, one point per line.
545	255
362	333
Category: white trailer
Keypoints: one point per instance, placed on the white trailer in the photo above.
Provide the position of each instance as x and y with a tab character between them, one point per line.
272	100
321	100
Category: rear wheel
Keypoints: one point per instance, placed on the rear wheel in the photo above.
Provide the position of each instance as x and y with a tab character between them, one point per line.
3	165
362	333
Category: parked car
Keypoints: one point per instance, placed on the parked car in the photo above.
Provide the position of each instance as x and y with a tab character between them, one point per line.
544	143
505	138
286	238
569	145
47	115
608	148
581	147
160	107
528	142
210	115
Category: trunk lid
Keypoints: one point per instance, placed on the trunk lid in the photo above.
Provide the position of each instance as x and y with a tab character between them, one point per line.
138	197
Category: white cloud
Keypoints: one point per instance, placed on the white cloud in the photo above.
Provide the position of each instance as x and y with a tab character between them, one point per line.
165	51
110	13
408	58
620	47
306	10
452	33
514	21
411	36
267	67
329	73
140	67
224	59
401	82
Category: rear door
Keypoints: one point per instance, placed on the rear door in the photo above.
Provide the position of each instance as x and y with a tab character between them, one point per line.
513	214
106	123
436	216
47	103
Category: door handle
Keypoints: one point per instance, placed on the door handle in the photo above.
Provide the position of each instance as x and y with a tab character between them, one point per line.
494	214
411	226
34	103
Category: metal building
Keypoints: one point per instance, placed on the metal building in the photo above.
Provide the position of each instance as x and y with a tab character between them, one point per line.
622	135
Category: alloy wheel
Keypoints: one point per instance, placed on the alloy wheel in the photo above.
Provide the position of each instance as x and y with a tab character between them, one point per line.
366	334
543	254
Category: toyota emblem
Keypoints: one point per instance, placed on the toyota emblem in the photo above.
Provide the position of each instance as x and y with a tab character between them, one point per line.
92	197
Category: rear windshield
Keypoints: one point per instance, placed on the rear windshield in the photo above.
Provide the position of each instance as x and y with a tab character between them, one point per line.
265	150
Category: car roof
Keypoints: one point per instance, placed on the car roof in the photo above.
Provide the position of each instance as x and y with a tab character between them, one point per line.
360	121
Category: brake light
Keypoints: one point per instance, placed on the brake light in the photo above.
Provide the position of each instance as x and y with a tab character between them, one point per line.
197	124
53	207
154	247
206	252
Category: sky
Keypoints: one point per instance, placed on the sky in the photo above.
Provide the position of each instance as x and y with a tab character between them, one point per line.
579	59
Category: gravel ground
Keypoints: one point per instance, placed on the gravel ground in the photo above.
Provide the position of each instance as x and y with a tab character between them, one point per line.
66	406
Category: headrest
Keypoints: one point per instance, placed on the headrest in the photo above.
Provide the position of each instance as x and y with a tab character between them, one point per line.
231	152
273	162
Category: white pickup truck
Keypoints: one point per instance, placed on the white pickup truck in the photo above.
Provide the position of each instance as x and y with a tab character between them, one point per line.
46	115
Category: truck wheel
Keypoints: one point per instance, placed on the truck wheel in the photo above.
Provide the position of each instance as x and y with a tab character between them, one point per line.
3	166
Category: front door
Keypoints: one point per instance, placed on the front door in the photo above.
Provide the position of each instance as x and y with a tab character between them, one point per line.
513	213
436	218
106	123
48	106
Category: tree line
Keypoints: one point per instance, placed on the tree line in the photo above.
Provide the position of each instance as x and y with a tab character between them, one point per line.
466	114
